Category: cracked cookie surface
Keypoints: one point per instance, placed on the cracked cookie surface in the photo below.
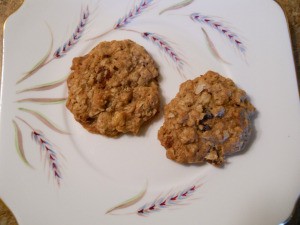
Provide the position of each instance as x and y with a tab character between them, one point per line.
114	88
209	118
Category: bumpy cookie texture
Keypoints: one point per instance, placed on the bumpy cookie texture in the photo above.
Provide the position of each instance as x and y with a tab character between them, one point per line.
208	119
114	88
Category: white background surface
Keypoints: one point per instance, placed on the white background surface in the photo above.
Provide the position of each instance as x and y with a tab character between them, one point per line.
256	187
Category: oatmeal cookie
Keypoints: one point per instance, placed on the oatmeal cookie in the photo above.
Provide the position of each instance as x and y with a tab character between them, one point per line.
114	88
208	119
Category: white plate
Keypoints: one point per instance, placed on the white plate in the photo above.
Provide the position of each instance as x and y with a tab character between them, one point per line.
93	173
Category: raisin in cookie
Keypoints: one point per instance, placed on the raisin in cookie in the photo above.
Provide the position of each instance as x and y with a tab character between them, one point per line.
114	88
208	119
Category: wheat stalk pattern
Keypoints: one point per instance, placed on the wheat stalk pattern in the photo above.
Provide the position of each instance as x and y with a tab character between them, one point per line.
168	200
223	29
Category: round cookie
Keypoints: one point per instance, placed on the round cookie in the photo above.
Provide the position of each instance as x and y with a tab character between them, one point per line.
114	88
208	119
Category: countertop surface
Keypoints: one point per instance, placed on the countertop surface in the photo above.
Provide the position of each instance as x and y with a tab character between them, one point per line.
290	7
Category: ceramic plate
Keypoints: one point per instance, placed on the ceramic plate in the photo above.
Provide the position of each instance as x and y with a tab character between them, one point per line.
53	171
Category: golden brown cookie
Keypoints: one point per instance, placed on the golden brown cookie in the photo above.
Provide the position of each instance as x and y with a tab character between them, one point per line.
208	119
114	88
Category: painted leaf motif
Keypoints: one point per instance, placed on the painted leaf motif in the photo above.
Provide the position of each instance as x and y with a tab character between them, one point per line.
44	101
41	62
44	120
44	87
48	151
129	201
213	48
19	144
177	6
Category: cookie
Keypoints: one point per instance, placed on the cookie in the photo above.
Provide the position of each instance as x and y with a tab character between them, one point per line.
114	88
209	118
